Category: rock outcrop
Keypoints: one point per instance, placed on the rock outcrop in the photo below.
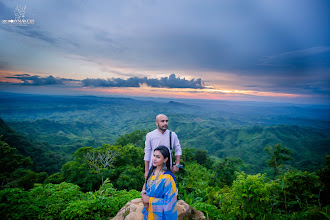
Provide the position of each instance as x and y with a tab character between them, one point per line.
133	211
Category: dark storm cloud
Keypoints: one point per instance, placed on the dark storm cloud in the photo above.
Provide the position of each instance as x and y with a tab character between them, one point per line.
118	82
40	81
245	38
173	82
165	82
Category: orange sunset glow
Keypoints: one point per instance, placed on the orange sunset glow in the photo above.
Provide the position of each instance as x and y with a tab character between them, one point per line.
187	93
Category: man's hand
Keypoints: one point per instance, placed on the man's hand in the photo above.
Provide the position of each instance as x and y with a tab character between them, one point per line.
175	169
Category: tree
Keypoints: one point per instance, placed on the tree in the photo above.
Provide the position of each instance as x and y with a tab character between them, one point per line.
194	181
190	155
324	174
101	158
130	177
43	157
278	155
55	178
201	157
42	176
136	138
90	166
129	155
23	178
11	161
251	197
225	170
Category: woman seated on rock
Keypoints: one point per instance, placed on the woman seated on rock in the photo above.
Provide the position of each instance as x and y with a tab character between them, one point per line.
159	193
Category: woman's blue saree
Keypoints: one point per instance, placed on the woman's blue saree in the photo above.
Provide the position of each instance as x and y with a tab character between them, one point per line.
163	197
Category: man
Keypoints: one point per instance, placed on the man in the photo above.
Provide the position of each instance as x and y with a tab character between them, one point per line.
159	137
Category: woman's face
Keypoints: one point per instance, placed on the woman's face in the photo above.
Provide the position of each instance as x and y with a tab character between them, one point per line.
158	159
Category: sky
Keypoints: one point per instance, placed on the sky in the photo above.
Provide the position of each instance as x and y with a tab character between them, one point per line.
251	50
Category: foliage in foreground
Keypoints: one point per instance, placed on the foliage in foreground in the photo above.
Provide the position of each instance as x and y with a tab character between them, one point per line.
217	188
63	201
293	196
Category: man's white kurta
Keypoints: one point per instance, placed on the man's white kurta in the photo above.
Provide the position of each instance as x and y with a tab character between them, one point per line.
155	139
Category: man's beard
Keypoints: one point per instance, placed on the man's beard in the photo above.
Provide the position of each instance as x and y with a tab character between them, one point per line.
162	129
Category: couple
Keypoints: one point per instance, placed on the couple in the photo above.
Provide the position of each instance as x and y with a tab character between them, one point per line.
159	193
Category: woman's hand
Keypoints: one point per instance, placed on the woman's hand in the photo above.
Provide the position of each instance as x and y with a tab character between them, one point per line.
145	198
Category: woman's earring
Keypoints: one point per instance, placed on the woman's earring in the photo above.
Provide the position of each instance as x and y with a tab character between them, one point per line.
164	167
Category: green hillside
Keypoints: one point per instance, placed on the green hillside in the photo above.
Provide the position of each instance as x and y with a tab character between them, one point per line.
225	129
44	156
59	134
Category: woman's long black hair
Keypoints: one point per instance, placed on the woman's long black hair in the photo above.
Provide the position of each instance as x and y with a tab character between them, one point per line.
166	154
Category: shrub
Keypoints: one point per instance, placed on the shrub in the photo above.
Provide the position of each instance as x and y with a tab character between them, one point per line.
102	204
209	210
299	190
14	204
250	197
49	200
63	201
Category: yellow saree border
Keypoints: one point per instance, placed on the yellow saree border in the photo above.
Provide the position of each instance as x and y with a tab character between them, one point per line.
150	214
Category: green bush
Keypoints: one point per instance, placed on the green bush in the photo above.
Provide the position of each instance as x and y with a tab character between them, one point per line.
55	178
250	197
300	190
42	176
209	210
15	204
130	177
102	204
63	201
311	212
195	180
49	200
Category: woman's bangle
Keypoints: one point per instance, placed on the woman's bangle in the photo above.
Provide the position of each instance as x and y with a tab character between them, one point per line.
143	192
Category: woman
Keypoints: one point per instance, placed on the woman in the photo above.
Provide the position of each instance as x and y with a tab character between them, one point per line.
159	193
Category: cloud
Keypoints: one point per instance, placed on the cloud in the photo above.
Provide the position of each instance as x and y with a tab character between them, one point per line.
280	46
315	86
173	82
41	81
165	82
314	57
118	82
